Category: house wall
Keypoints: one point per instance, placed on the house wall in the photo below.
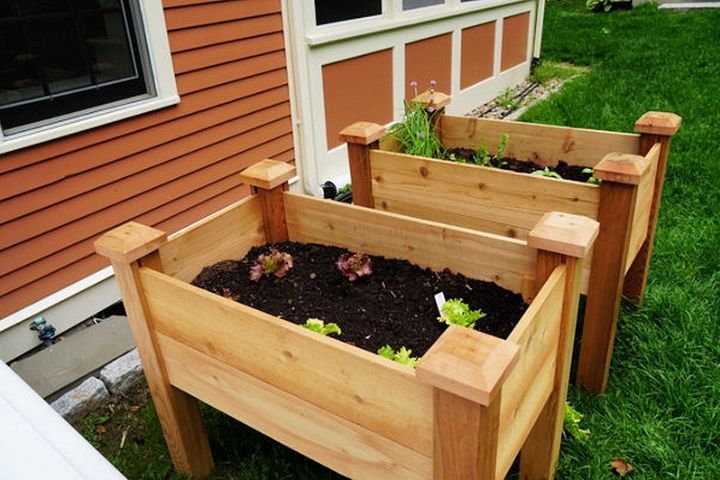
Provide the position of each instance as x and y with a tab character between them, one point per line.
166	169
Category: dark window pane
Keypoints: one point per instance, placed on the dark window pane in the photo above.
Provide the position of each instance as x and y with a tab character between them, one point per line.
329	11
411	4
108	47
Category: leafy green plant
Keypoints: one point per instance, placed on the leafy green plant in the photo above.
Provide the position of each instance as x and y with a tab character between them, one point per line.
273	263
507	99
403	355
593	179
546	172
416	131
482	156
502	145
319	326
354	265
571	424
601	5
457	312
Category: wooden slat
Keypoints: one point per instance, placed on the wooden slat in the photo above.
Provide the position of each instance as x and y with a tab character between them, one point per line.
485	256
327	438
190	38
226	52
337	377
543	144
502	202
191	103
210	13
227	234
643	204
52	241
531	381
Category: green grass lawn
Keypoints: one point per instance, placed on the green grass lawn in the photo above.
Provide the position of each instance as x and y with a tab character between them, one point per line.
662	409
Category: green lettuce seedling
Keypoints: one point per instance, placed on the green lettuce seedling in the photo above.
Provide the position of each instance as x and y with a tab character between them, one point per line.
317	325
593	179
571	424
457	312
399	356
546	172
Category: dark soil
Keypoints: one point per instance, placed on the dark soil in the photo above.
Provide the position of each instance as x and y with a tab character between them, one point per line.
567	172
395	305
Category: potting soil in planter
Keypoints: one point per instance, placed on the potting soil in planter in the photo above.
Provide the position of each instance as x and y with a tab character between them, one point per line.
394	305
567	172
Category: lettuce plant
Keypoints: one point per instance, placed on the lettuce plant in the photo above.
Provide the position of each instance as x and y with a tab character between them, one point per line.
273	263
354	266
546	172
593	179
317	325
457	312
571	424
400	356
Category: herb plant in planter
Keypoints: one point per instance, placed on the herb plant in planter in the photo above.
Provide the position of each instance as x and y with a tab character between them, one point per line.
471	405
625	197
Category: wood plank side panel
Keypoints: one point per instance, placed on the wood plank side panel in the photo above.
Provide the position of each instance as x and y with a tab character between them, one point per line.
643	204
543	144
339	378
503	260
488	199
345	447
227	234
531	381
96	179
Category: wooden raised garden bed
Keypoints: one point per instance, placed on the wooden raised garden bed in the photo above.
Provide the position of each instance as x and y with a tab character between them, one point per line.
631	166
474	401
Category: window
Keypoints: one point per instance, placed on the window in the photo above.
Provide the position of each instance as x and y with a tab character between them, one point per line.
412	4
330	11
67	60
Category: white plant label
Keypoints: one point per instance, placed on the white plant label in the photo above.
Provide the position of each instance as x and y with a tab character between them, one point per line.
440	301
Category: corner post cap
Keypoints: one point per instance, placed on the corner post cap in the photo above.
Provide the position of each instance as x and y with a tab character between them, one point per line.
658	123
431	98
563	233
129	242
267	174
622	168
468	363
363	133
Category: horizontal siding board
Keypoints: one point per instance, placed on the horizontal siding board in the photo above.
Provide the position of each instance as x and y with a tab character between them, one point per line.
83	182
166	168
41	246
200	58
167	135
191	38
193	102
212	13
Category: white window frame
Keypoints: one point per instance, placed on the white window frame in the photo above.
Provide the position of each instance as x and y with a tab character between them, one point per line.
161	70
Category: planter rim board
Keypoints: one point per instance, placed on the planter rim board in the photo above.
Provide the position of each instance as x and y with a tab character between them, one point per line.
330	400
631	166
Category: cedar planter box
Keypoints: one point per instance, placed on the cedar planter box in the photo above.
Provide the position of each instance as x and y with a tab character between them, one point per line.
631	166
474	401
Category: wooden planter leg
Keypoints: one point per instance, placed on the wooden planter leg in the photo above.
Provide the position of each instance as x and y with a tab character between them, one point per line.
129	247
467	370
268	180
560	239
621	174
361	137
653	127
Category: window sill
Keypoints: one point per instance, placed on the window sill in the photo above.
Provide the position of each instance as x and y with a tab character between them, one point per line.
78	124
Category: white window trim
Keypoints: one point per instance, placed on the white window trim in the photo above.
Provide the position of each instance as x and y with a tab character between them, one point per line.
153	21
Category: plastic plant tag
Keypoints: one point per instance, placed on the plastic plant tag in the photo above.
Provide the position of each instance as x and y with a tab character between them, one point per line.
440	301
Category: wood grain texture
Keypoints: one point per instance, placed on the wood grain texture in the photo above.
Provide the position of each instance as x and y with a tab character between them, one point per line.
543	144
337	377
563	233
603	302
643	207
231	232
505	261
314	432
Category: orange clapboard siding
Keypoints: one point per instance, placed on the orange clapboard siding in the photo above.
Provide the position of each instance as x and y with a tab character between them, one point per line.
427	60
39	247
110	170
167	168
514	40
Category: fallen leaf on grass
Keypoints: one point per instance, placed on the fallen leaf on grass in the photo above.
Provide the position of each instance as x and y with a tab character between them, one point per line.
100	429
621	467
134	408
